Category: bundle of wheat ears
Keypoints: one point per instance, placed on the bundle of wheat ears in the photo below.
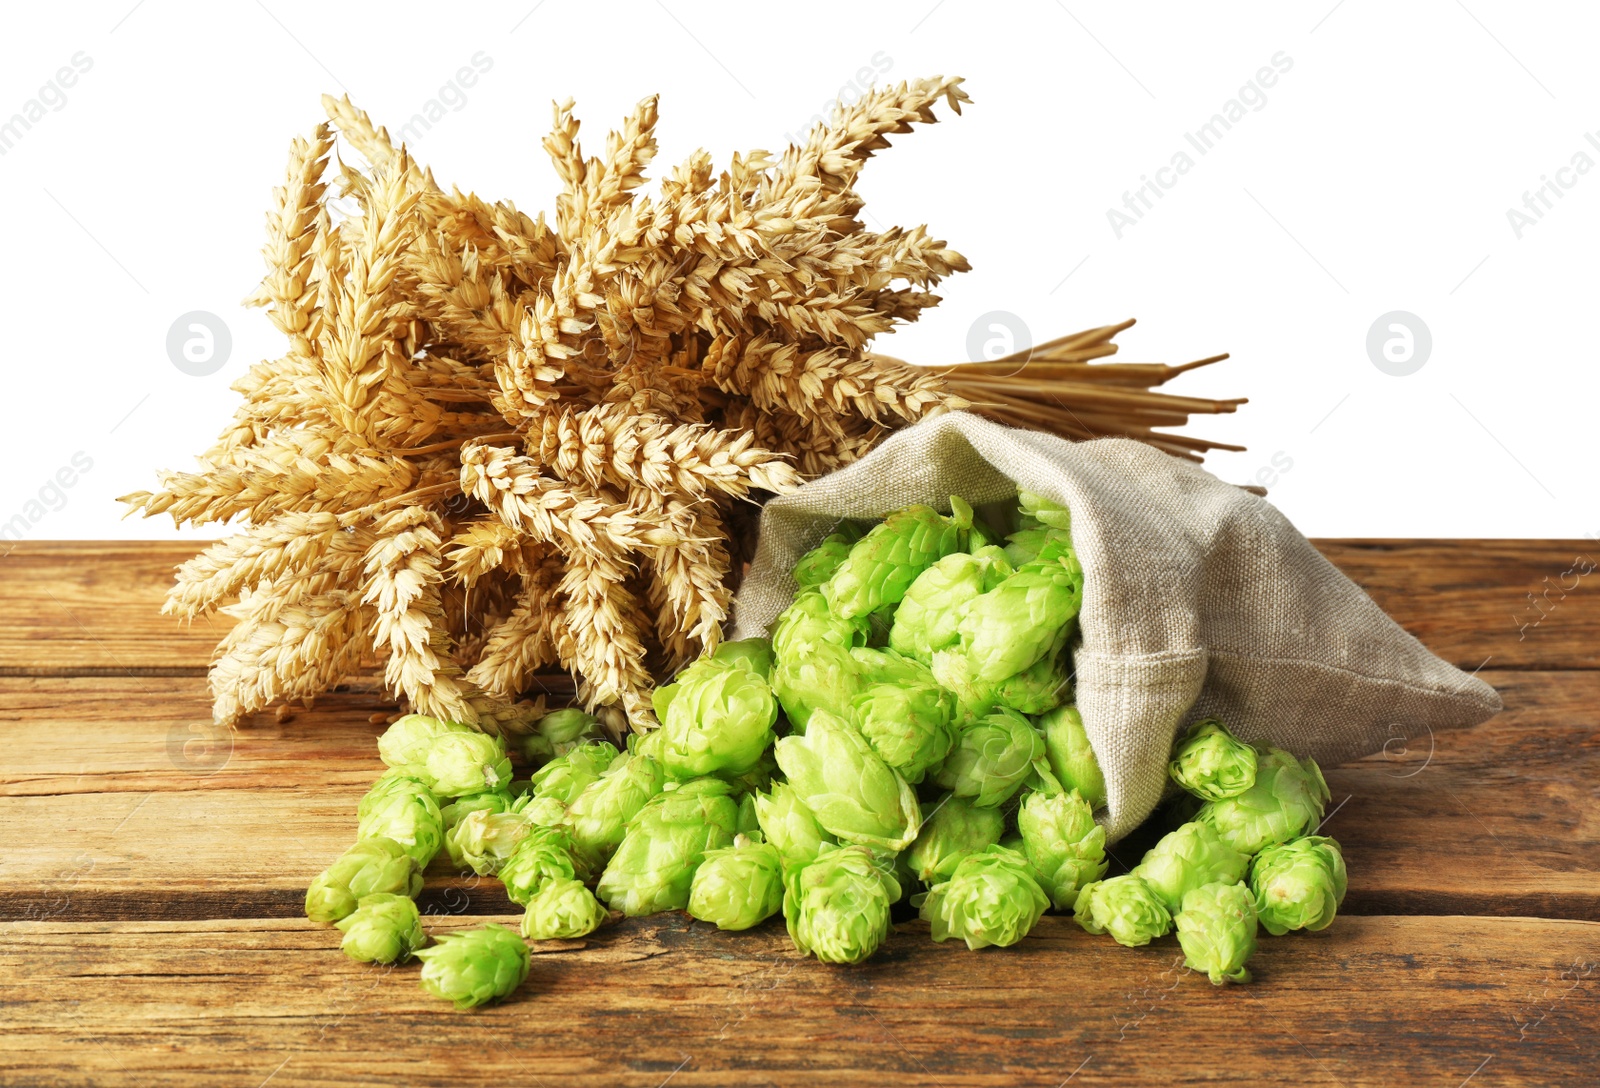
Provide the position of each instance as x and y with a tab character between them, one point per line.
497	446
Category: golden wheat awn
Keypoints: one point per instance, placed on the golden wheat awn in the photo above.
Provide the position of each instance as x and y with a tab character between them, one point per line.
495	445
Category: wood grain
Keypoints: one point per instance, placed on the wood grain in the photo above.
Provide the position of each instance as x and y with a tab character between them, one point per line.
160	802
1372	1001
79	607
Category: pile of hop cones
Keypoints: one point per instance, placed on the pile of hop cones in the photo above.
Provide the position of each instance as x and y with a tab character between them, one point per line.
497	446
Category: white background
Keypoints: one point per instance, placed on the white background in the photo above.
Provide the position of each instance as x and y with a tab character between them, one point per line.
1376	177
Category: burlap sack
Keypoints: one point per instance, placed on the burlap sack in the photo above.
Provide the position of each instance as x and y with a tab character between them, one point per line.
1199	599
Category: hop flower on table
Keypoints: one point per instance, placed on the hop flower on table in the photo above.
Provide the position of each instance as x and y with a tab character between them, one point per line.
930	613
1026	617
1063	843
664	844
384	928
467	762
404	746
882	565
992	758
954	829
1125	907
543	856
543	811
405	810
366	868
992	898
789	826
1298	885
559	732
487	801
904	714
737	886
474	966
854	794
720	721
754	654
1187	858
483	841
1071	757
568	774
598	817
819	564
1217	931
562	908
1285	802
1212	763
837	908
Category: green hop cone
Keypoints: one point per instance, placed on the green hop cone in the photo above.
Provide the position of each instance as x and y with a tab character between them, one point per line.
405	744
403	809
954	829
992	898
1040	687
562	909
1063	843
543	811
466	762
487	801
882	565
567	728
809	621
754	654
661	700
566	776
544	855
1026	617
483	841
1125	907
1285	802
720	722
837	908
854	794
992	758
1217	931
1298	885
384	928
474	966
929	615
907	720
737	886
1038	510
822	677
1187	858
789	826
664	844
819	564
370	866
390	783
598	817
1212	763
1071	758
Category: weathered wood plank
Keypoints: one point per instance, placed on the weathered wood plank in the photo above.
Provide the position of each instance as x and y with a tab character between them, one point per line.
77	607
81	606
181	821
1510	604
1371	1001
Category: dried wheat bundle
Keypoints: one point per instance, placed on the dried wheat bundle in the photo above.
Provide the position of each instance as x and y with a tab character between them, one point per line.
496	445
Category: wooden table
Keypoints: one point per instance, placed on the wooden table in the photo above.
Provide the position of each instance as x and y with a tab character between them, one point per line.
152	869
